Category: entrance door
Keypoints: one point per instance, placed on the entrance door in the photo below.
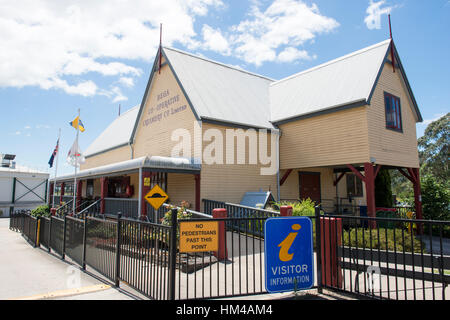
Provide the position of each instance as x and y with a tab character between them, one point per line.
309	183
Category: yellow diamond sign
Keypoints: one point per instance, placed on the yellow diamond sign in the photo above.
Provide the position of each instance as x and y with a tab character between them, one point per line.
156	197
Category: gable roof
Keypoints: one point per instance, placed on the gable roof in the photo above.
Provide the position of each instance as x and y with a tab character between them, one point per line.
220	92
117	134
224	94
343	81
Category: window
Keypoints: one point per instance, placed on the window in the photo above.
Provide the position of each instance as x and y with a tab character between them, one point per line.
393	112
90	188
354	186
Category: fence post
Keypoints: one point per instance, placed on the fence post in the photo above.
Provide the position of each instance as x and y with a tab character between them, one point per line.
64	238
220	213
173	253
318	251
286	211
50	235
38	231
83	263
119	229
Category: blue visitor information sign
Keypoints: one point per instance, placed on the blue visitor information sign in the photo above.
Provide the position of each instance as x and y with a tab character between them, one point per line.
289	256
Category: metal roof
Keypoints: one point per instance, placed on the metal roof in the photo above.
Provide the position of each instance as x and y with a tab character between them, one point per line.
153	162
117	134
224	94
343	81
252	199
221	92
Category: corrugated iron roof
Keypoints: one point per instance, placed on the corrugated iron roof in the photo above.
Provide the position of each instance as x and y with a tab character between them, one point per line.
225	94
152	162
221	92
117	134
343	81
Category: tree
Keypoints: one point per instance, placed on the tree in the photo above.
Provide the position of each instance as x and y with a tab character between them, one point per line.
435	199
383	190
434	149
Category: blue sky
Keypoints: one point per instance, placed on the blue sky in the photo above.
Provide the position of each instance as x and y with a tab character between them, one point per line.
59	56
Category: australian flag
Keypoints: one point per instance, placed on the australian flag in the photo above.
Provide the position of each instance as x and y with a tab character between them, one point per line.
52	158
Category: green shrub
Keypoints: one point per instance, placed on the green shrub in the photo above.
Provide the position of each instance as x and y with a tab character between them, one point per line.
303	208
382	239
41	211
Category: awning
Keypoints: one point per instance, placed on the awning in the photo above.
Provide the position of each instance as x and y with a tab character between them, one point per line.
153	163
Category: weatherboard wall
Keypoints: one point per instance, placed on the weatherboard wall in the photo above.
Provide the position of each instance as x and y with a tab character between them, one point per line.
166	112
112	156
387	146
229	182
331	139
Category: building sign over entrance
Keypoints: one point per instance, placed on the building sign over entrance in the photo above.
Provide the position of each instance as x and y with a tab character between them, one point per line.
156	197
167	104
289	255
199	236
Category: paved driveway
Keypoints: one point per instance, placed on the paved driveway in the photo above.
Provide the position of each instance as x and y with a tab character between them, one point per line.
32	273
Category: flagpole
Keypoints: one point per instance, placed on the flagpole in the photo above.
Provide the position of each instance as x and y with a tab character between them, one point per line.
56	168
76	164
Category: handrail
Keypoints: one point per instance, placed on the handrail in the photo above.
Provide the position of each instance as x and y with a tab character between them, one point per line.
87	208
63	208
276	213
201	214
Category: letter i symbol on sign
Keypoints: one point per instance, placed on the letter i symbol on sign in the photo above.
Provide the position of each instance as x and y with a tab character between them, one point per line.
286	244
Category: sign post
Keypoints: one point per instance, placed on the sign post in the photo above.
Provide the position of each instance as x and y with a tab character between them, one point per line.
289	255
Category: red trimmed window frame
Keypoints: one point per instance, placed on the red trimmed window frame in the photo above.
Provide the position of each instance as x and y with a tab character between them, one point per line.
393	111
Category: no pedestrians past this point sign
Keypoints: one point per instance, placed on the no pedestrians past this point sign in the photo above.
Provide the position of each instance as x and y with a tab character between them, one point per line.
289	255
156	197
199	236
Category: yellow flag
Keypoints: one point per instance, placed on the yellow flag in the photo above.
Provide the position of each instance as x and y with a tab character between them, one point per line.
77	124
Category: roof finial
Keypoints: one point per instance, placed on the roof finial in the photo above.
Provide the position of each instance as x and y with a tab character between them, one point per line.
160	46
392	44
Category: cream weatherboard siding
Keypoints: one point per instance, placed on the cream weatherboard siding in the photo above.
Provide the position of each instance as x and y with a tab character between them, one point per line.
166	110
331	139
108	157
389	147
229	182
181	187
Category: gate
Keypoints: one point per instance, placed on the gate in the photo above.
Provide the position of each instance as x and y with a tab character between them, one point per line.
383	261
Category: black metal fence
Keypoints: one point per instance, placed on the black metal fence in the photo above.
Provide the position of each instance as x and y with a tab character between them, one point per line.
386	259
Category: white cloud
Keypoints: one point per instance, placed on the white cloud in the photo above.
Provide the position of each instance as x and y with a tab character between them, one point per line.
118	95
45	43
284	23
436	117
126	81
214	40
374	13
291	54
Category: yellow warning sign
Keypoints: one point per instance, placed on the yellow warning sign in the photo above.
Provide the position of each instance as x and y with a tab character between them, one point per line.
199	236
146	182
156	197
